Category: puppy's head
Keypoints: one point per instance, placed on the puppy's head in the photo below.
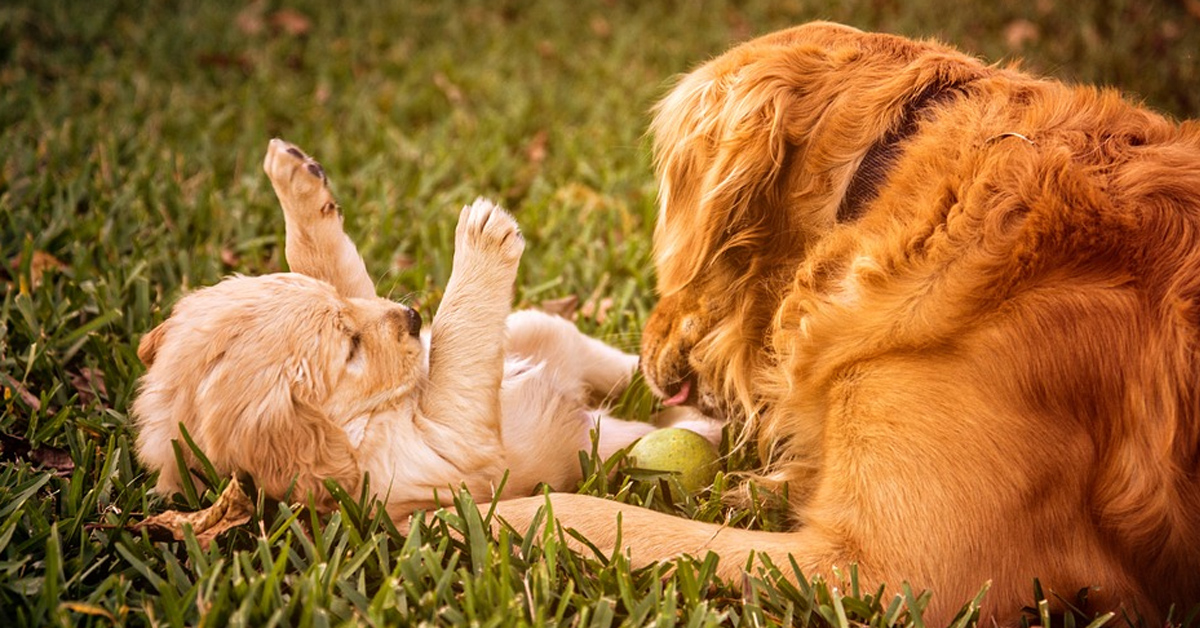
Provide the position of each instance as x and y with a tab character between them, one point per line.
754	153
264	372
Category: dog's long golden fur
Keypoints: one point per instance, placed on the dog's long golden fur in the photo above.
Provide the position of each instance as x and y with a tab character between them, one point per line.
985	370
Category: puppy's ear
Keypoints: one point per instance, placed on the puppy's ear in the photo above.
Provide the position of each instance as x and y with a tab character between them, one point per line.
148	347
270	424
299	449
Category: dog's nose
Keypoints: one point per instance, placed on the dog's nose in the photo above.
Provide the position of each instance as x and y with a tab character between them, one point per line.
414	322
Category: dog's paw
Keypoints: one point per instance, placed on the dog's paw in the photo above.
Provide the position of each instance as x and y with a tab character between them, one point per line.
299	182
486	229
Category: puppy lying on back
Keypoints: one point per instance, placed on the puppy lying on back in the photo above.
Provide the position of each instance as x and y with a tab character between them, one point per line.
298	377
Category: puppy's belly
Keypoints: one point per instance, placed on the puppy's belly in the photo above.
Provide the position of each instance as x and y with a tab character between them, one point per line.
544	426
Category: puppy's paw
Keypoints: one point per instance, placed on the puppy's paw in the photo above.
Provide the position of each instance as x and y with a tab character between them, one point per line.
487	230
300	183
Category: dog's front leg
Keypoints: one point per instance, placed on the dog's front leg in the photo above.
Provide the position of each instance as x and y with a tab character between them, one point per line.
461	404
646	536
316	244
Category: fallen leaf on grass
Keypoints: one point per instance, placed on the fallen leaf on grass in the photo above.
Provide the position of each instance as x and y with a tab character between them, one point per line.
89	383
38	265
291	22
596	307
14	447
1020	32
1170	30
43	261
596	310
250	19
232	509
448	88
229	257
535	151
403	261
600	27
13	386
253	19
564	307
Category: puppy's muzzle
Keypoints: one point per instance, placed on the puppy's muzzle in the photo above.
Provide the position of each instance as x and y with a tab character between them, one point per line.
403	321
413	318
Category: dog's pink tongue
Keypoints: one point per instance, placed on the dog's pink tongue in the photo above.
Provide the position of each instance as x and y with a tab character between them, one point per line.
685	390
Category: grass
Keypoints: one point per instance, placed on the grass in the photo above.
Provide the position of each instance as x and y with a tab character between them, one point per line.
130	141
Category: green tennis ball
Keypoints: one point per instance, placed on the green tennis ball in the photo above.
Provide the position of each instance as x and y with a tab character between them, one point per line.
684	453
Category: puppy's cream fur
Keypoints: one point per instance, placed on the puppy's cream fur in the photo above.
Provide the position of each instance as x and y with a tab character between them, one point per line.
299	377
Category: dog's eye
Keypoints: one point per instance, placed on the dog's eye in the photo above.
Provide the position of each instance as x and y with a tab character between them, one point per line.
355	342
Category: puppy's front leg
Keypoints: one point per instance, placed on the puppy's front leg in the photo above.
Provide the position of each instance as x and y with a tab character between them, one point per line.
316	244
466	346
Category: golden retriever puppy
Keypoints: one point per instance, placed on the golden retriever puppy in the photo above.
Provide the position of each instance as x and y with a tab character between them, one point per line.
956	307
300	377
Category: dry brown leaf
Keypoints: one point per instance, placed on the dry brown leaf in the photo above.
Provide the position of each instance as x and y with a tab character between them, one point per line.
13	447
597	310
403	261
536	149
1020	32
42	262
89	383
232	509
38	265
600	27
229	257
12	386
564	307
250	19
1170	30
53	458
451	91
291	22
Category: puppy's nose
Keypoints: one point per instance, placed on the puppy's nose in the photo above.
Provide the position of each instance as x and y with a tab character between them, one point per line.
414	322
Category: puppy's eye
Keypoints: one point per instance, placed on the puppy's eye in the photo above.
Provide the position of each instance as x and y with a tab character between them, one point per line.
355	343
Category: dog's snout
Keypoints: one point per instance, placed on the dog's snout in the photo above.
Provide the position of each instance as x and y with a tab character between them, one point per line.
414	322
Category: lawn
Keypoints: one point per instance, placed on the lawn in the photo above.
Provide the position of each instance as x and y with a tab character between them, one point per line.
131	138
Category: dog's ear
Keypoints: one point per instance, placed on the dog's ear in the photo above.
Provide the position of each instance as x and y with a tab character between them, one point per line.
270	424
721	142
763	141
148	346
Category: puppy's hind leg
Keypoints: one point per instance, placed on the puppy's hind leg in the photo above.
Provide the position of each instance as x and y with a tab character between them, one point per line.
613	434
316	244
603	370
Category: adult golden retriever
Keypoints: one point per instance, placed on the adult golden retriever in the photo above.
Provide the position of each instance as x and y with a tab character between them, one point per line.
956	307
